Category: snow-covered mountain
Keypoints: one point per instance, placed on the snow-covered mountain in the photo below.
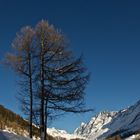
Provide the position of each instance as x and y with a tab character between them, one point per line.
124	123
94	128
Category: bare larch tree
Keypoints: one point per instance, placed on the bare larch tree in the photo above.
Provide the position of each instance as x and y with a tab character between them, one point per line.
56	79
62	77
21	61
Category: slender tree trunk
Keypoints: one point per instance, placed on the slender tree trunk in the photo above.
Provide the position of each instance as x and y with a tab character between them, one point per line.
42	94
31	95
46	117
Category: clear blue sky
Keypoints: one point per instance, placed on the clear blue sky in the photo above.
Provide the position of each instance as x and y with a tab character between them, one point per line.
107	32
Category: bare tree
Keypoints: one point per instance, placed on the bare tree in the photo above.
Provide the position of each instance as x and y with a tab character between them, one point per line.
21	62
62	77
52	78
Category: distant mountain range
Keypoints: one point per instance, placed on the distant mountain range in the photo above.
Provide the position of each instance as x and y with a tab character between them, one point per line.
123	124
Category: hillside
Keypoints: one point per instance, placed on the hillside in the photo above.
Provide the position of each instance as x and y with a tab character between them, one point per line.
12	122
15	126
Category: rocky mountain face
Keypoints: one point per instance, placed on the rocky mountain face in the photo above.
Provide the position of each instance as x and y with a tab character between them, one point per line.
94	128
124	123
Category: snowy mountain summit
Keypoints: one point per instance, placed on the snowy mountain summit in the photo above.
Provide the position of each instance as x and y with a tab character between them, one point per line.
124	123
94	128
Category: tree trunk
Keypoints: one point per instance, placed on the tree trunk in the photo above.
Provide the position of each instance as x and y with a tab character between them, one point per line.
46	117
31	94
42	94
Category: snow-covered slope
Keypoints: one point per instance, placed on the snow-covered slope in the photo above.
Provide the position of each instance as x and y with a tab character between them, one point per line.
125	123
8	134
5	135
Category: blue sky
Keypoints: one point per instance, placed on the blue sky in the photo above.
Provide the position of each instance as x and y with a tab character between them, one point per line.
107	32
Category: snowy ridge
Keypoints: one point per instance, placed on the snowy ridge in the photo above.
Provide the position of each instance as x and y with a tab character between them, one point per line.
94	128
124	123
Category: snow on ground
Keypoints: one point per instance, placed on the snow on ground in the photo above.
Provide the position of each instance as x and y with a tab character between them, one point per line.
9	134
5	135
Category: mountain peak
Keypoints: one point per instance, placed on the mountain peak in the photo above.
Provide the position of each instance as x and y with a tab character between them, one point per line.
124	122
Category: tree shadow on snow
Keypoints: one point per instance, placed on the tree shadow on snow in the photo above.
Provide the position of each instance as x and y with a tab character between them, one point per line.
2	136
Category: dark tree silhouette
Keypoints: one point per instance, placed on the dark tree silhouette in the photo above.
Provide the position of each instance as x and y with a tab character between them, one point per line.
62	77
46	64
21	62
